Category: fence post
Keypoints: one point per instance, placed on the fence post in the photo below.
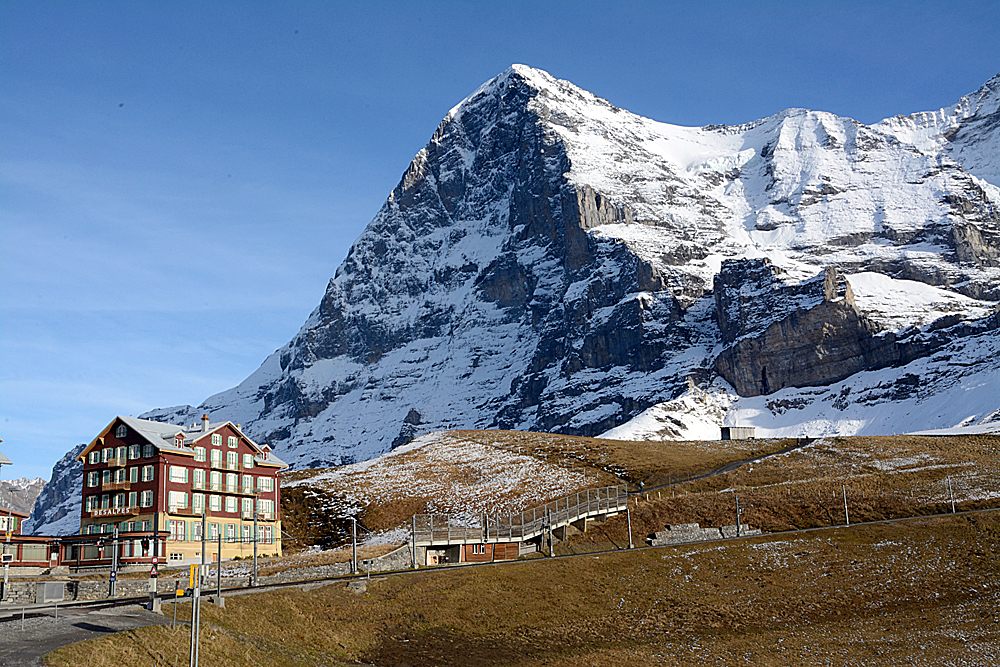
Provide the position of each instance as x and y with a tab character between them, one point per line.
628	518
413	538
847	517
951	493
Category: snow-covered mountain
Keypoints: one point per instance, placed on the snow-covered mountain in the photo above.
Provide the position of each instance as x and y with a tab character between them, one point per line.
20	494
552	262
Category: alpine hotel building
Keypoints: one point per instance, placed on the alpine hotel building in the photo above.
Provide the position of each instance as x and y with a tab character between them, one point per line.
139	473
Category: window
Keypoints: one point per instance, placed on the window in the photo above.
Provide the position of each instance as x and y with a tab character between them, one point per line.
146	500
119	499
199	454
230	532
198	502
147	473
247	534
231	441
177	531
196	531
88	503
95	456
264	534
215	503
121	452
147	451
231	481
247	505
121	431
105	528
231	458
106	454
213	531
248	460
478	548
265	507
134	452
216	458
105	501
265	484
147	526
216	440
178	474
215	478
133	498
199	478
133	474
120	475
92	478
177	499
247	483
175	556
230	503
105	477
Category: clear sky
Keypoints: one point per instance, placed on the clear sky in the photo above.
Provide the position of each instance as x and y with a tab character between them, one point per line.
179	180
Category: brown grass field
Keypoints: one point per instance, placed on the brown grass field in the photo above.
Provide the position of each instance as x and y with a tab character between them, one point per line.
918	592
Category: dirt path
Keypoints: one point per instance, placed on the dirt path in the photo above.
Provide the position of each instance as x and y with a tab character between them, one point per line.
25	648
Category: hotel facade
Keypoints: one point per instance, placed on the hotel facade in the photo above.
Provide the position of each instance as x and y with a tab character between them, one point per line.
143	476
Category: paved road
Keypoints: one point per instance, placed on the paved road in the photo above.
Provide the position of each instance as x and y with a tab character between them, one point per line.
25	648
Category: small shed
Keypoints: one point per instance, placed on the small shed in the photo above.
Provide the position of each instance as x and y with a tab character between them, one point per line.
737	432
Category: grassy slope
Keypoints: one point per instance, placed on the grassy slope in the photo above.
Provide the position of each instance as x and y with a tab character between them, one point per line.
919	592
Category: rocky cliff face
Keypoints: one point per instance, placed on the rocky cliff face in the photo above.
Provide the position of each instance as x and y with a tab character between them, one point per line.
20	494
57	509
551	262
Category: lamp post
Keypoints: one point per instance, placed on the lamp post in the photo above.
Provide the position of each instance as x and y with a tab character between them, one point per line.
255	495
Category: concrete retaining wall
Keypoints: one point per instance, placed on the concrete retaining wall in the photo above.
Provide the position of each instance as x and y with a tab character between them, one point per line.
692	532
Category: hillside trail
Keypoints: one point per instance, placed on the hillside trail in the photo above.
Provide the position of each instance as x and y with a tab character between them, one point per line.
721	470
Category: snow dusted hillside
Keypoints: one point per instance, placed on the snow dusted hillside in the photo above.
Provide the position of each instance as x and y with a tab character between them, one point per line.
20	494
551	262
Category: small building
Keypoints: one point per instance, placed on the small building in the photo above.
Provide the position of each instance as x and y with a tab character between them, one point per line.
737	432
10	522
144	477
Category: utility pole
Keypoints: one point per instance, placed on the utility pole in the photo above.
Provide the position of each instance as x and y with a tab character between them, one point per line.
847	517
413	537
552	546
204	516
951	493
113	584
354	545
737	514
154	552
255	494
195	619
218	574
628	518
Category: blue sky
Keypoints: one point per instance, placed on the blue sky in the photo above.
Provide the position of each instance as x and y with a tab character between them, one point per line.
179	181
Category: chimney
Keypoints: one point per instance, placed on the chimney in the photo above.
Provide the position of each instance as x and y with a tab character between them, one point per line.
204	423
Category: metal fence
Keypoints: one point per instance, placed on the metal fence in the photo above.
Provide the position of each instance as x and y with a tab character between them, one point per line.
450	529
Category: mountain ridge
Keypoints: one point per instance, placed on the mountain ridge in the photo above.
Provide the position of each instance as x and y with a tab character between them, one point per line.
547	262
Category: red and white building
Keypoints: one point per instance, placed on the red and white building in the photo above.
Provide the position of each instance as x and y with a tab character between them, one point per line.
149	477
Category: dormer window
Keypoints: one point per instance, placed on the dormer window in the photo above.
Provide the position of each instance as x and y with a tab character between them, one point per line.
179	440
121	431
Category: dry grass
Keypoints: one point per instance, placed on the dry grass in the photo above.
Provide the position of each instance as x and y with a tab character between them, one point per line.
919	592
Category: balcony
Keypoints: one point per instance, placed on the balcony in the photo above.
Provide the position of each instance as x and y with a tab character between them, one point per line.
116	486
221	487
261	516
118	462
184	511
114	511
222	465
